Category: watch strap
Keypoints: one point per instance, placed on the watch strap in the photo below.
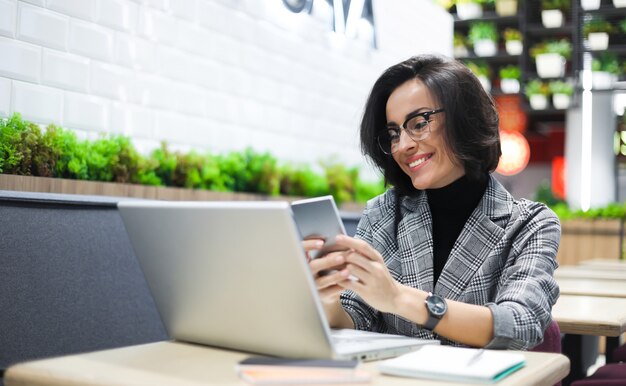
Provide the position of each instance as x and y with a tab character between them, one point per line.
433	319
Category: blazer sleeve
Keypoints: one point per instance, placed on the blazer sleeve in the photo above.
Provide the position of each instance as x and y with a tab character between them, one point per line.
363	316
523	304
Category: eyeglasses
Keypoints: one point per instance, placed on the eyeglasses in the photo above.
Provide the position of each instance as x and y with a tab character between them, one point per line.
417	126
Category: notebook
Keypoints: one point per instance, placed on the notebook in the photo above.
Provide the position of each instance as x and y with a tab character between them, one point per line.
448	363
234	275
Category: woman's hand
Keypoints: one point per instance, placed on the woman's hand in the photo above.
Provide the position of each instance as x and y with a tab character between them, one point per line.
327	271
375	284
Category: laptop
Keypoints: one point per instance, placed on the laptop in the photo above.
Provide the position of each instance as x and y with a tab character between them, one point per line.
234	275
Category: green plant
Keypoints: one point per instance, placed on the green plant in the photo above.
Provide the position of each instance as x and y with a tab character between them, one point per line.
512	34
479	67
27	150
510	72
536	87
459	40
560	87
482	30
606	62
597	24
22	150
562	47
622	25
341	180
562	5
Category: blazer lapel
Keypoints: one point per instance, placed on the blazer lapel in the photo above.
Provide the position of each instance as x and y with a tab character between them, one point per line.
478	239
415	243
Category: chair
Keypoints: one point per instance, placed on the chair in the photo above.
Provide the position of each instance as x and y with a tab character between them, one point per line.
69	279
612	374
551	341
619	354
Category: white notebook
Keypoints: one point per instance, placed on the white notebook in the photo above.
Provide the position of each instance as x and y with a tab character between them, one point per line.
467	365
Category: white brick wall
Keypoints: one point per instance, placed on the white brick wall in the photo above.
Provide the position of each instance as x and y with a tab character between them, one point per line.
5	96
8	10
213	75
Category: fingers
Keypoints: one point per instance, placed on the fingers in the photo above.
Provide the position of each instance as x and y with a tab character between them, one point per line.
327	262
360	246
313	244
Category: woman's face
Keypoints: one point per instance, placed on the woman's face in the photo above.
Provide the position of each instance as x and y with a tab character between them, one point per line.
428	163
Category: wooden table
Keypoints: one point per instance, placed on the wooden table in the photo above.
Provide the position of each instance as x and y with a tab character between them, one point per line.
173	363
583	317
616	265
590	315
583	272
592	287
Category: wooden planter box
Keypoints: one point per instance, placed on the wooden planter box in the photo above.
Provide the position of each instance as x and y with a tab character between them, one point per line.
94	188
590	239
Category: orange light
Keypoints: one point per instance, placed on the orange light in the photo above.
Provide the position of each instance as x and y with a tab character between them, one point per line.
558	177
515	153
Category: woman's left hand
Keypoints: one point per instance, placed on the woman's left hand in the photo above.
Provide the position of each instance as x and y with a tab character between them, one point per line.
375	284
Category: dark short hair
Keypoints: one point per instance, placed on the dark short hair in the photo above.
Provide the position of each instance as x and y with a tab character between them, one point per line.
471	129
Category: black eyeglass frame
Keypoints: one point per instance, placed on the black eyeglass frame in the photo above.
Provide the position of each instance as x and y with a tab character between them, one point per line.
425	114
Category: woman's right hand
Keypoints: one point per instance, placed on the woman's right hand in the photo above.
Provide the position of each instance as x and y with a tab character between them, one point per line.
327	271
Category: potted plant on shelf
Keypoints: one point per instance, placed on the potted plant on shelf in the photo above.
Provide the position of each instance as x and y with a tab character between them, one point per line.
537	92
590	5
468	9
513	41
460	46
482	71
551	56
561	93
605	70
483	35
506	7
509	79
596	30
622	25
552	12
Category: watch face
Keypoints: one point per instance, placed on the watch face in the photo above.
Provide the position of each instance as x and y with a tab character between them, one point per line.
437	305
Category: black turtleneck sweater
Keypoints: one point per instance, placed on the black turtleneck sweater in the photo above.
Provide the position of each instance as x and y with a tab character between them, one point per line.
450	208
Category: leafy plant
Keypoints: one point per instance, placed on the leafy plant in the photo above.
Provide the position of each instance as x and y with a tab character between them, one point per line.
512	34
479	67
510	72
22	150
27	150
606	62
303	182
459	40
562	47
622	25
562	5
560	87
341	180
536	87
597	24
482	30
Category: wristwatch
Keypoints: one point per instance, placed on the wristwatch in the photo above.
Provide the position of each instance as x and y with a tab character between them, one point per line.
437	308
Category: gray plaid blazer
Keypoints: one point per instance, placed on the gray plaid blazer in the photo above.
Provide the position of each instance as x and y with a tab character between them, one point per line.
504	259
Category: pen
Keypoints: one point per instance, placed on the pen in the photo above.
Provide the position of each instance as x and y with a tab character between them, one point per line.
475	357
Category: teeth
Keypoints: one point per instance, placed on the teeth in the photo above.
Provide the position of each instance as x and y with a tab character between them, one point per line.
418	162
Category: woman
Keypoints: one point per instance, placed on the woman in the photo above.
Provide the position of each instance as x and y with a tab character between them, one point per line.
447	252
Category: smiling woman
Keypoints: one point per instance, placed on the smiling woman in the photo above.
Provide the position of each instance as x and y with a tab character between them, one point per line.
446	252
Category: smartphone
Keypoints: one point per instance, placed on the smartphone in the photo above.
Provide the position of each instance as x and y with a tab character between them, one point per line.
318	218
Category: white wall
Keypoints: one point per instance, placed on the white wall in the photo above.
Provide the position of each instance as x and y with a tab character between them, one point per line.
212	75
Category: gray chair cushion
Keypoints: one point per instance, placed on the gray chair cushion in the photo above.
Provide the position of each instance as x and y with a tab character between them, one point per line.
69	280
